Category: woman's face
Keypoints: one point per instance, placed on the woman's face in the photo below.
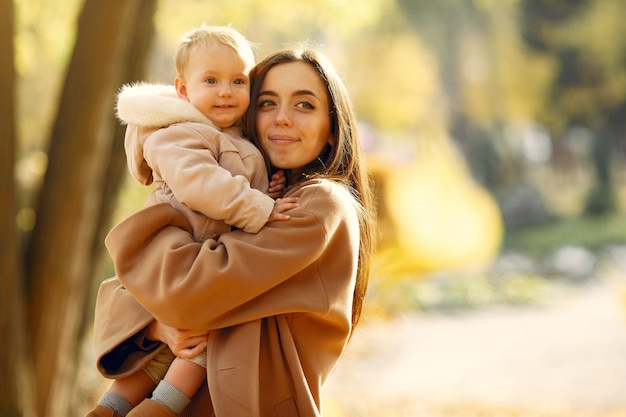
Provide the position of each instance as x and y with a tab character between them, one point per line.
292	115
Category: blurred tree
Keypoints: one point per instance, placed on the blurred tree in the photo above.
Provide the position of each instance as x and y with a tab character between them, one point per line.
461	19
86	160
133	69
589	90
11	320
438	217
478	93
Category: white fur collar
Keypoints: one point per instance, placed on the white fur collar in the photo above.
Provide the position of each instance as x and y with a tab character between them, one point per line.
155	105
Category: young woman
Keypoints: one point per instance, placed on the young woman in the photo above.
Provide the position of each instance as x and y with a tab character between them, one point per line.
277	308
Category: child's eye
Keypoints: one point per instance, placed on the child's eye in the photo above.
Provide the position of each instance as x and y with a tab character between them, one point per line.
240	81
211	80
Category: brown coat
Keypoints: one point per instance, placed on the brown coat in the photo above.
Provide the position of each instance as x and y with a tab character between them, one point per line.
278	303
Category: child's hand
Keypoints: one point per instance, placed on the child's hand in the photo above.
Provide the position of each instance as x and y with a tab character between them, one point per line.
277	182
281	205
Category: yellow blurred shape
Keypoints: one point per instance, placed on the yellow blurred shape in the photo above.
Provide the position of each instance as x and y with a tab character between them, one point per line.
442	219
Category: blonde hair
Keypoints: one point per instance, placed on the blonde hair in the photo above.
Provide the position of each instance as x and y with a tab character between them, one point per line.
213	35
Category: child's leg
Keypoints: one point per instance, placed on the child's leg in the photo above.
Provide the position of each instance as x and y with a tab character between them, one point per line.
182	380
126	393
133	388
123	395
174	392
186	376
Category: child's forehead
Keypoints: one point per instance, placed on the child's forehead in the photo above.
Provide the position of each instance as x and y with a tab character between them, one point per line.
215	57
217	50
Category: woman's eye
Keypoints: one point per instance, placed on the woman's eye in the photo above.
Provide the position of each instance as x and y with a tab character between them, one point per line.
263	104
305	105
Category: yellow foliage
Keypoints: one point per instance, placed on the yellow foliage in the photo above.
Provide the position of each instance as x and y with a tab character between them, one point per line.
397	85
272	23
501	78
441	218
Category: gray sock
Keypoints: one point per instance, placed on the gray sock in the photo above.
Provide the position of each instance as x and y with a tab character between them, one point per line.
115	402
169	396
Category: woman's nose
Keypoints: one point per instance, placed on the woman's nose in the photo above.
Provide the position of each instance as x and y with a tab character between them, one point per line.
282	118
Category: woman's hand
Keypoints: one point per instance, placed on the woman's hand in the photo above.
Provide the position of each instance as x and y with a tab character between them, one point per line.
184	343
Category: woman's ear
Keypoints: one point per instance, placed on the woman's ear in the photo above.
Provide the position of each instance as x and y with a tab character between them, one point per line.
181	89
333	127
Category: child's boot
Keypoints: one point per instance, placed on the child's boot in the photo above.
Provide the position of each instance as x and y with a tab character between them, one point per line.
102	411
150	408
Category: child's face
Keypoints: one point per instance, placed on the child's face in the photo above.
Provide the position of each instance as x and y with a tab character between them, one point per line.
215	83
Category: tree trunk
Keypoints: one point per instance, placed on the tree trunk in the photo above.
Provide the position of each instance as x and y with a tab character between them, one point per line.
116	170
602	199
59	258
12	373
134	69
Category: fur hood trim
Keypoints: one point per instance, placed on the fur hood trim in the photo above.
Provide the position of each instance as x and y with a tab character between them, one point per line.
154	106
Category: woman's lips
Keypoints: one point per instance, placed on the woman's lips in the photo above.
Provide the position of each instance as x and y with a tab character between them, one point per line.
282	139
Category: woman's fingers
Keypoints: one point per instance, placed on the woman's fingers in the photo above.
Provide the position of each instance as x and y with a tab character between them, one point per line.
190	352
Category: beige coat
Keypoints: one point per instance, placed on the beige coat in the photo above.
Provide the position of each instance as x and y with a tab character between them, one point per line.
216	178
278	303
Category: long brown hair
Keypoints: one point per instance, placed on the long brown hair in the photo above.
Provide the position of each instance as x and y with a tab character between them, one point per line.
343	162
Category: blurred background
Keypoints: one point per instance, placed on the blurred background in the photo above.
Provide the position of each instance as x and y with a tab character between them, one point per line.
495	136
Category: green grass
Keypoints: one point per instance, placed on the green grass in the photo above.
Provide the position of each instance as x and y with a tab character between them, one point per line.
593	233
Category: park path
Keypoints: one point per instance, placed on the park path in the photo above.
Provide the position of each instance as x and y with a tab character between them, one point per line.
566	358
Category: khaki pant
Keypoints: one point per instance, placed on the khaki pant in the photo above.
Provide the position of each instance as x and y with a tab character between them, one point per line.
158	366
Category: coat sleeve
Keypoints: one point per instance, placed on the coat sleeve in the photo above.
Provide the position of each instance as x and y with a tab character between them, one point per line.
187	161
241	277
119	329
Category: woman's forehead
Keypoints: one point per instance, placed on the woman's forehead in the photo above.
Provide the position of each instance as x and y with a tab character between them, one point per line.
293	76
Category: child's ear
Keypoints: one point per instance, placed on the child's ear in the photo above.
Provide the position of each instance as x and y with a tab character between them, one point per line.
181	89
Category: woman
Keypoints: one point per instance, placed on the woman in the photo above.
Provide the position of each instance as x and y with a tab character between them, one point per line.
278	306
